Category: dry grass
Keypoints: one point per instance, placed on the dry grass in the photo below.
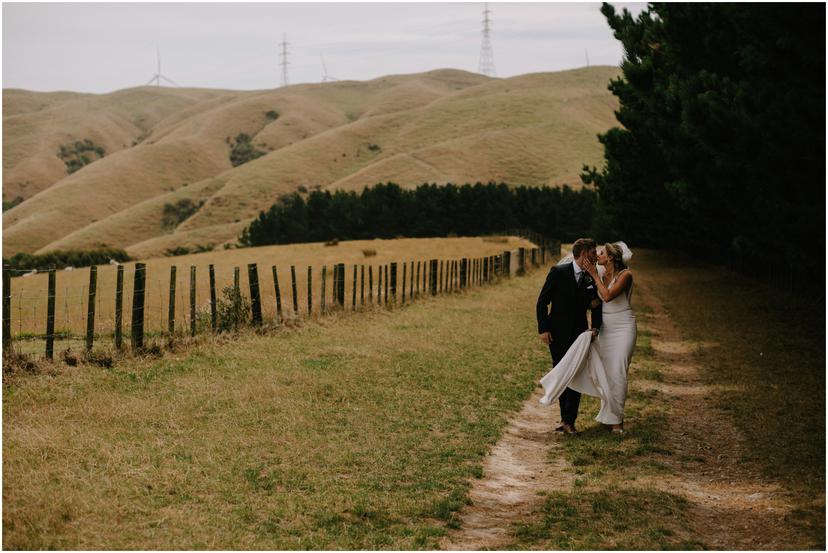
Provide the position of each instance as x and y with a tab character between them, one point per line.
357	432
438	126
688	480
29	294
765	363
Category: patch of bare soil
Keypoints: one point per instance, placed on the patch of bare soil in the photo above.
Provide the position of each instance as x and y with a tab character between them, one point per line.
517	468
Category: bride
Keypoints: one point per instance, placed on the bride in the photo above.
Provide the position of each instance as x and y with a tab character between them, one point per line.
599	368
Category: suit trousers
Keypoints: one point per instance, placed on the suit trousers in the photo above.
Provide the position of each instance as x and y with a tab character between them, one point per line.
570	400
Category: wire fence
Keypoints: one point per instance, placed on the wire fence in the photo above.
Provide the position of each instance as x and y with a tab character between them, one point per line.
122	309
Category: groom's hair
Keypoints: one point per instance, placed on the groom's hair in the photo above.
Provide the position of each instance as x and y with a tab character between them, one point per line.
582	244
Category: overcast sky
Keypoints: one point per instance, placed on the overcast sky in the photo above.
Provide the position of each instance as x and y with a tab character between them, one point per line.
100	47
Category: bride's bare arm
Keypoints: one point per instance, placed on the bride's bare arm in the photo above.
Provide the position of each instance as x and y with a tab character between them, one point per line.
609	293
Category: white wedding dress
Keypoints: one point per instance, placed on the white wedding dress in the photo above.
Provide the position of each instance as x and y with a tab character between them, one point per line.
599	368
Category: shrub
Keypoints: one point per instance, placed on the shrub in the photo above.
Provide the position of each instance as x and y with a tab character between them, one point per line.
15	362
11	203
61	259
374	147
75	155
334	242
175	214
273	115
369	253
232	309
178	250
242	150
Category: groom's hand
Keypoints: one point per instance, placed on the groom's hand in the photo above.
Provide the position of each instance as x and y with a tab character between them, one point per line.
545	337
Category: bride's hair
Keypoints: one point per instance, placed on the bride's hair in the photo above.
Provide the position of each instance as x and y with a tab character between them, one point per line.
617	255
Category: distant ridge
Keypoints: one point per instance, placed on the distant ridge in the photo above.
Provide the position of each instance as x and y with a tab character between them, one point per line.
163	145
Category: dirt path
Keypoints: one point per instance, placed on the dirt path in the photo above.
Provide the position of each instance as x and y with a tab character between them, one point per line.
516	469
730	506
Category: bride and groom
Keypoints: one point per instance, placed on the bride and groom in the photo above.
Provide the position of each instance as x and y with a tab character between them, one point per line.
590	359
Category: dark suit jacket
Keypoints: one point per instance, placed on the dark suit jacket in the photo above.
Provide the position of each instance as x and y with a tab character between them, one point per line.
567	319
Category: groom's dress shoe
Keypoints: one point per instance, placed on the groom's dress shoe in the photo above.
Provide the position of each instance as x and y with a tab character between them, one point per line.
568	429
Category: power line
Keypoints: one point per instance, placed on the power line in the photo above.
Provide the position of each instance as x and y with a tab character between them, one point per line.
486	65
284	62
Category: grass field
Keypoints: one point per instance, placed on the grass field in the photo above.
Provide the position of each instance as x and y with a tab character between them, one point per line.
353	432
29	294
761	358
611	504
766	367
440	126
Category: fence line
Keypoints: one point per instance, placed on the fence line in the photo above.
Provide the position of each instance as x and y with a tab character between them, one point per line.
93	314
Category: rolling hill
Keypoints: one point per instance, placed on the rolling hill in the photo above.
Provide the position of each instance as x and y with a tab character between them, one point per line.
163	145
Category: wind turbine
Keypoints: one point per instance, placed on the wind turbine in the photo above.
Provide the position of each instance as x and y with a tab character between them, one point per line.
158	76
325	77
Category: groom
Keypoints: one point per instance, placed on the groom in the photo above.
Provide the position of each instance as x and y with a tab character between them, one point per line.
571	291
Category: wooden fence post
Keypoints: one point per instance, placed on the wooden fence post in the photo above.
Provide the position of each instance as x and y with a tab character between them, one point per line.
192	300
440	277
171	309
404	266
486	270
362	285
386	284
50	317
334	285
213	306
521	269
371	284
322	303
411	284
278	294
418	279
353	301
433	277
394	282
507	264
255	296
379	285
341	286
295	296
90	307
236	280
119	307
310	292
6	309
138	294
464	265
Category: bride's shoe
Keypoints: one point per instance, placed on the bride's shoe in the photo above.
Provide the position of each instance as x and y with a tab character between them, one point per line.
617	429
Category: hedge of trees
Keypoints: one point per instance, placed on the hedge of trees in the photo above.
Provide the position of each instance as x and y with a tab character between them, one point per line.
722	146
389	211
61	259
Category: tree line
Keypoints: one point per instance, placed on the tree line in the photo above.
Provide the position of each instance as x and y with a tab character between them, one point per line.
60	259
387	210
722	145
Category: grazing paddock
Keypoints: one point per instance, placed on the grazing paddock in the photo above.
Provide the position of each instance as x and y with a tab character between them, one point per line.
29	294
349	432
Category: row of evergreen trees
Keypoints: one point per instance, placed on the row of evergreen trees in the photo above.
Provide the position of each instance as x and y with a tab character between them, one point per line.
722	144
389	211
